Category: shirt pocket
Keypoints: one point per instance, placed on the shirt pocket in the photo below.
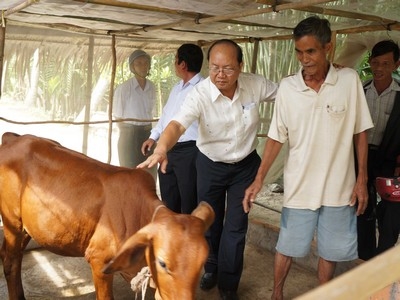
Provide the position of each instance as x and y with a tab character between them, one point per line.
250	116
336	111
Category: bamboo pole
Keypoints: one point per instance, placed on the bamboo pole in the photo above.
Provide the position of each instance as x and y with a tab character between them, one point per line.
2	44
371	28
334	12
331	55
240	14
362	281
111	96
255	56
88	97
19	7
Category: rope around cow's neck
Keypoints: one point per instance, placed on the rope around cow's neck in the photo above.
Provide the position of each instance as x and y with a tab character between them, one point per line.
156	211
141	281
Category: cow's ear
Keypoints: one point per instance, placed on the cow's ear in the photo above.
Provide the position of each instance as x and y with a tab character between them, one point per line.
205	212
131	252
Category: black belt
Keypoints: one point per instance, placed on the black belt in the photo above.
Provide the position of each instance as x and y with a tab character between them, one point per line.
244	160
181	145
373	147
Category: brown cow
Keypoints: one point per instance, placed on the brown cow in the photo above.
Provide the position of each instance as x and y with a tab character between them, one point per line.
73	205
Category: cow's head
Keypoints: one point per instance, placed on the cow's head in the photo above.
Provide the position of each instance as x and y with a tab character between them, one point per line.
175	250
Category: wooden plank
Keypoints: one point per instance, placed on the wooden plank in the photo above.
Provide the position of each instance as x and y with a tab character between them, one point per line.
362	281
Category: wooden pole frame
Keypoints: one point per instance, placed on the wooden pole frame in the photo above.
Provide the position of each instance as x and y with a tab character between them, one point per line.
111	97
2	46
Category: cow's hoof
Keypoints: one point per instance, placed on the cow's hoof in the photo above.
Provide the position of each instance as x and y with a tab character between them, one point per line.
208	281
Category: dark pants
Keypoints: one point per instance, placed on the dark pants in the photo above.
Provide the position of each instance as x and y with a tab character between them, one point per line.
366	223
222	186
388	215
178	186
131	138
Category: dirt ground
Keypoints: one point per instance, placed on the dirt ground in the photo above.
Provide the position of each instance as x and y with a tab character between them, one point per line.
49	276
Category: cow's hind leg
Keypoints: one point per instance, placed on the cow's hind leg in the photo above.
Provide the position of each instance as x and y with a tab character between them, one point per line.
11	255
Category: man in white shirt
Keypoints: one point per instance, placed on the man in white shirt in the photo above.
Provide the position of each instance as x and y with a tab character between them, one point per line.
178	184
322	113
226	106
134	99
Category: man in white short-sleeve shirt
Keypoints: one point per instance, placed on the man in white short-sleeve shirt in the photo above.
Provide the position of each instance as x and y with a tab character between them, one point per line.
135	98
321	112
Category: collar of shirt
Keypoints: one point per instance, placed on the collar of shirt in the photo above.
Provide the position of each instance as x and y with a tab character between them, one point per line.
394	86
216	93
194	80
136	85
331	78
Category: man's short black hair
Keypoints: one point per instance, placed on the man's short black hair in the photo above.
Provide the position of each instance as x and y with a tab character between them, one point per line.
384	47
315	26
192	55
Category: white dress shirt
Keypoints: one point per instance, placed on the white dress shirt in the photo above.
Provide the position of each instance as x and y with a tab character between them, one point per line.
227	127
131	101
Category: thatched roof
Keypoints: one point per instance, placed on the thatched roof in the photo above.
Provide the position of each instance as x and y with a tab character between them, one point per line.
164	24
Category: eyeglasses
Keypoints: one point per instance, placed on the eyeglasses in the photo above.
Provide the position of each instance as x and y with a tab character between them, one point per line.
226	71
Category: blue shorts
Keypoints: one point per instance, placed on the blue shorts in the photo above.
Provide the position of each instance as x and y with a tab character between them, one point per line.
335	227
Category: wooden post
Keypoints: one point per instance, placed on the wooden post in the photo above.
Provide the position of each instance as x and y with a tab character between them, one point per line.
255	56
111	96
2	43
331	55
88	95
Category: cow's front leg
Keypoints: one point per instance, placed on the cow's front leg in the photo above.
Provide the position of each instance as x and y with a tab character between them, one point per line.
103	283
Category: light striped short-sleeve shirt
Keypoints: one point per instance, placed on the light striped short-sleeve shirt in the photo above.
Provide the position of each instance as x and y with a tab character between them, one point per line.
380	107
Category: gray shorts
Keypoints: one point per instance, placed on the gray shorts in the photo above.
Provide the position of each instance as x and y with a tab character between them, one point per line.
335	227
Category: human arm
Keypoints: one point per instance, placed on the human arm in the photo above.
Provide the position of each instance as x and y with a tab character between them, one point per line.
147	145
360	192
153	138
167	140
271	151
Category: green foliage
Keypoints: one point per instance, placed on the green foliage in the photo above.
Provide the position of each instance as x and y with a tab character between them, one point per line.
364	70
162	73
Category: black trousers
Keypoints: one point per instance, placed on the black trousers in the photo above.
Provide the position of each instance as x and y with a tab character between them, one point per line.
178	186
223	185
366	223
388	215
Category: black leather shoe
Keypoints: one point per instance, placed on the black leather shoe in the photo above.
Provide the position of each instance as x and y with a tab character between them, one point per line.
228	295
208	281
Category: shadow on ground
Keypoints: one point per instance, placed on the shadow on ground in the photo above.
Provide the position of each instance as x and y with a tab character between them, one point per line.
48	276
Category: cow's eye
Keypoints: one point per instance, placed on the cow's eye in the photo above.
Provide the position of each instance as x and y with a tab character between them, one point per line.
162	264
